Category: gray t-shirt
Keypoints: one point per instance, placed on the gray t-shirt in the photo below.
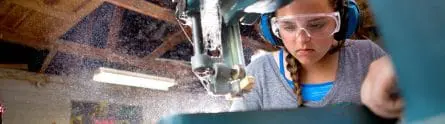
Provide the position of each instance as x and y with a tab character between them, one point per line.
271	91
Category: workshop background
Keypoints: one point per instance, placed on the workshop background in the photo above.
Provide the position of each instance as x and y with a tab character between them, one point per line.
49	50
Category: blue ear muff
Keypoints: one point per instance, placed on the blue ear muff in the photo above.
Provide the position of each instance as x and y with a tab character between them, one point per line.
353	18
266	30
350	15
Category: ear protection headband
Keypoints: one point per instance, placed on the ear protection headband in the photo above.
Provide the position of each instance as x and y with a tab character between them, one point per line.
349	13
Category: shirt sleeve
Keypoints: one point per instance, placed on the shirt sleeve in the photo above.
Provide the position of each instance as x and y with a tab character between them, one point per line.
376	50
368	48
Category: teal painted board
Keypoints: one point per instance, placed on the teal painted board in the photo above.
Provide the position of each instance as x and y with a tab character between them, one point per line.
413	32
339	114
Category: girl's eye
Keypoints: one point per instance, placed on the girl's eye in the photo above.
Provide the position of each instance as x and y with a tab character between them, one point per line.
289	27
316	24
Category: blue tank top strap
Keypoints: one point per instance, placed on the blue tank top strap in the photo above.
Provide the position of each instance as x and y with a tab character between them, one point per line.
281	58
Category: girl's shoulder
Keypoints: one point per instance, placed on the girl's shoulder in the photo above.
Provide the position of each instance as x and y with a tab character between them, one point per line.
363	48
360	44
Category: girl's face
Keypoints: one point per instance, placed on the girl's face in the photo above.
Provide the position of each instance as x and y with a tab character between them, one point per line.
297	32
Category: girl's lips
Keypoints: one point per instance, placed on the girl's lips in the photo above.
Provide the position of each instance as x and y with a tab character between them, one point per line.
304	52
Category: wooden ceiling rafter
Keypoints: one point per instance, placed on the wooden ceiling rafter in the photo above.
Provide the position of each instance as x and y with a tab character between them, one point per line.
105	54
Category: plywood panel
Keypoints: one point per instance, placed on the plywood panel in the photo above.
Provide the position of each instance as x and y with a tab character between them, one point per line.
14	16
63	9
4	9
40	25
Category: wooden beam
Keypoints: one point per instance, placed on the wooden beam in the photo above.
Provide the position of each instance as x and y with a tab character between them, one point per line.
168	43
114	26
105	54
146	8
81	50
15	66
49	58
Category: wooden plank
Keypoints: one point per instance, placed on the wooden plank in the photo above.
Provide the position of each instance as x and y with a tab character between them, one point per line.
80	49
146	8
170	42
114	26
15	66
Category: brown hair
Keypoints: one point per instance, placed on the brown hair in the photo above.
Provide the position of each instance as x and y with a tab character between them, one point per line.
294	66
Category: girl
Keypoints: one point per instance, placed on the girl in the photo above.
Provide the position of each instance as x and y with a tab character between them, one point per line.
315	67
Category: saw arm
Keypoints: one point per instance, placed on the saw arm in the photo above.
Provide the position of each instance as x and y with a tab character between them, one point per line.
218	59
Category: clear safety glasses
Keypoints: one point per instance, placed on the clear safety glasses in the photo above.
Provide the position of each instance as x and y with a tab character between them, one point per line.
319	25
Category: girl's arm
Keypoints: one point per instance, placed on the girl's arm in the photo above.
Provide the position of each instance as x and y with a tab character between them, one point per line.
378	89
